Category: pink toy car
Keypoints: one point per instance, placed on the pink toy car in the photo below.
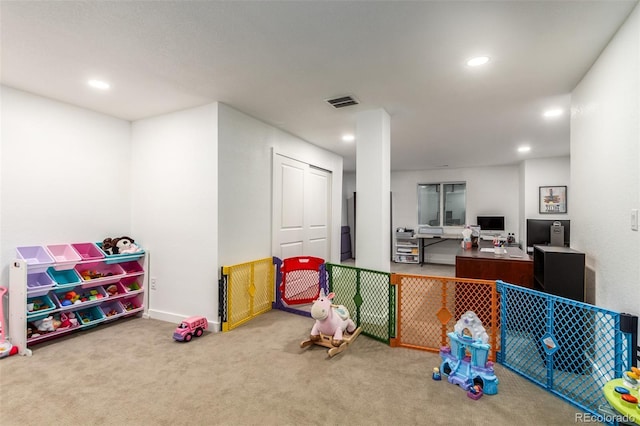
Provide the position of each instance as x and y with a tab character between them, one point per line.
190	327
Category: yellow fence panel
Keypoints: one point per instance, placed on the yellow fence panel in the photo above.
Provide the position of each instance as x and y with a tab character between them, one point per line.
249	291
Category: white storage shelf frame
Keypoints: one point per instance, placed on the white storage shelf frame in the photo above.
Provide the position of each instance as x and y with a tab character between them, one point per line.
18	300
407	249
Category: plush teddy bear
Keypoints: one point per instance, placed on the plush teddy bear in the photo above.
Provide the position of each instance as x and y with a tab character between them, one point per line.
108	245
126	245
119	245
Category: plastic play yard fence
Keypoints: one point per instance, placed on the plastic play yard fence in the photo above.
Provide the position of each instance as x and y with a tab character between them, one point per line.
298	282
569	348
572	349
245	291
369	297
429	307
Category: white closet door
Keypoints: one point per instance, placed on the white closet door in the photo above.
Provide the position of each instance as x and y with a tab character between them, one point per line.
301	209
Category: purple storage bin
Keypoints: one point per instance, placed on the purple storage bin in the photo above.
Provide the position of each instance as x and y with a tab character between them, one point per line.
37	257
112	310
64	256
39	284
88	251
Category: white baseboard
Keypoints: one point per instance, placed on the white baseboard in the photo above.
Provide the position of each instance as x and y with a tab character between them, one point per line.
214	326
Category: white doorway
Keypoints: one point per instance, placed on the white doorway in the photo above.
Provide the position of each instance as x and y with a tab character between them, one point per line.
301	209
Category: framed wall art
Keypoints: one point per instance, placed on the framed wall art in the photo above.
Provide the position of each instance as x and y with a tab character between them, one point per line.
553	199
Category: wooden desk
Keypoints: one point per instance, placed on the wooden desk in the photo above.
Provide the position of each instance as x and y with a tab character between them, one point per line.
488	266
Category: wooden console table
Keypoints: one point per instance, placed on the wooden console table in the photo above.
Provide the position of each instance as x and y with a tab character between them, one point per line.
514	267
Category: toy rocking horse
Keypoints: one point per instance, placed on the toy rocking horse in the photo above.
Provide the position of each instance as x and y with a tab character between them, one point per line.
333	329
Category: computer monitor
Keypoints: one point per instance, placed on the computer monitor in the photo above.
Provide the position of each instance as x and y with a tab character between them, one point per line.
539	232
490	223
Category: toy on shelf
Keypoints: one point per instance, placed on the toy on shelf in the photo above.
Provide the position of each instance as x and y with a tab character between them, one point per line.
465	361
120	245
334	328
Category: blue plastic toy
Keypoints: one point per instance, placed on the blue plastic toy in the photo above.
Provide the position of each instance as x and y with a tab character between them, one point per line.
471	372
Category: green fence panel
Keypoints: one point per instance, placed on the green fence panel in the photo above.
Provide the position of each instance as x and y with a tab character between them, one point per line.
369	296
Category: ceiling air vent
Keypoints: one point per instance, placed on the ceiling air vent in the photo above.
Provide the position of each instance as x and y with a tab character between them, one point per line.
342	101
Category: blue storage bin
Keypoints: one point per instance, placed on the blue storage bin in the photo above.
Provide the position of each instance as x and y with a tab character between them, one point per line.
90	316
118	258
39	306
67	278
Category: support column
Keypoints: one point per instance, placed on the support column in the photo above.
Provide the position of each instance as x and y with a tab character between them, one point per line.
373	200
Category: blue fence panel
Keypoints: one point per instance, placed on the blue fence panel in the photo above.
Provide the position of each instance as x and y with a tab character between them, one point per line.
571	349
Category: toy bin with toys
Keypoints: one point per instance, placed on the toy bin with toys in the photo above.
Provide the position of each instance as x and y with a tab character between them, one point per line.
132	304
37	257
88	251
39	306
67	278
132	255
48	326
64	255
90	316
112	310
96	273
79	296
132	268
39	284
115	290
131	284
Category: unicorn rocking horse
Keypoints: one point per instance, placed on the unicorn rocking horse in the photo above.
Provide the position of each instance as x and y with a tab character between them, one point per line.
333	329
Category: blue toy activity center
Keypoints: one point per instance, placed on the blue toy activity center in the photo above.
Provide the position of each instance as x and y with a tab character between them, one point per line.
465	362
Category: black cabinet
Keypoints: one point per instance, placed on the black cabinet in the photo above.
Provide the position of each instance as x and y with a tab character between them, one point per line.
559	271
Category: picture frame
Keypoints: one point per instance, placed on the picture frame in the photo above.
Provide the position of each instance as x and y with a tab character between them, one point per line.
552	200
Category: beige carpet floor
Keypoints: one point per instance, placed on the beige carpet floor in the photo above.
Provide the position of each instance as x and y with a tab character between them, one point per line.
131	372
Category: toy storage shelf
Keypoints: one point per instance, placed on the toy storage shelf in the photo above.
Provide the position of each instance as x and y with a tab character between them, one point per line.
407	248
76	288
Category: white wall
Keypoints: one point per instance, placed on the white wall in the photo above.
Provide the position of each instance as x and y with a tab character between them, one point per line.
605	158
490	191
544	172
511	191
65	174
175	210
245	152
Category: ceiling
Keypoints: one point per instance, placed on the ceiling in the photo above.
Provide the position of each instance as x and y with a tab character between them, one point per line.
280	61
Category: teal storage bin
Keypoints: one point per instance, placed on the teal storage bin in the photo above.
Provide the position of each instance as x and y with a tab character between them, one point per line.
119	258
90	316
38	307
64	279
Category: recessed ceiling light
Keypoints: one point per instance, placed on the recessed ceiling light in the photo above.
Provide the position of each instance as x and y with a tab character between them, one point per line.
553	113
348	138
477	61
524	149
99	84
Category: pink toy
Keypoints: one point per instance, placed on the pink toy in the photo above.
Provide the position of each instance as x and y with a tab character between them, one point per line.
189	328
332	321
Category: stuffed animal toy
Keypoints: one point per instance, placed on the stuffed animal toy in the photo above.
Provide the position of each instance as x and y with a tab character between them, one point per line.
332	320
107	245
126	245
119	245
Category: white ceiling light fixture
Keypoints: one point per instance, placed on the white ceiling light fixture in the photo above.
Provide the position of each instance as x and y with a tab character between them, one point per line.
348	138
552	113
99	84
478	61
524	148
